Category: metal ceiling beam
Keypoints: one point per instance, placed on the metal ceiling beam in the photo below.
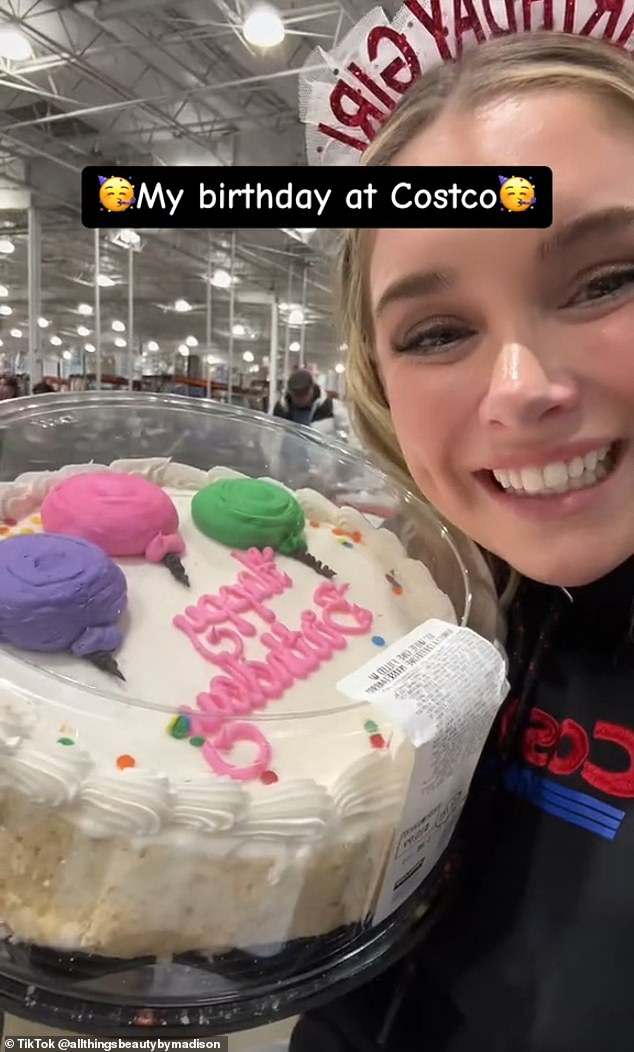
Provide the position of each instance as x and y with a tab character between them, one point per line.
227	85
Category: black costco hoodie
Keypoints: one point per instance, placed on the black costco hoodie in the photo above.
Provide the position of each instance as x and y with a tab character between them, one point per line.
539	956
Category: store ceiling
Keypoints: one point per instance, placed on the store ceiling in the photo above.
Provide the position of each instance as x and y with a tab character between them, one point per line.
150	82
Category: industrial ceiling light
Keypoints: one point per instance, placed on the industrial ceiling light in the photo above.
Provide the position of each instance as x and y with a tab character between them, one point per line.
294	346
182	306
184	350
5	310
14	45
90	347
239	330
6	246
152	345
16	333
296	316
4	291
191	341
56	341
120	342
340	367
247	356
105	281
67	355
221	279
263	27
118	326
82	330
127	238
84	308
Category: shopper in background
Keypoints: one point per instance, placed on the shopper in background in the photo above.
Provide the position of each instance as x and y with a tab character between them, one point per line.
9	388
491	370
304	402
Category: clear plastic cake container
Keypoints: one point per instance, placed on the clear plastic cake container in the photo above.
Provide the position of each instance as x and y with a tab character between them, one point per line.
125	831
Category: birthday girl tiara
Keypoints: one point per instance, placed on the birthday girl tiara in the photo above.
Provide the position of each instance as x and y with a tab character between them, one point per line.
345	95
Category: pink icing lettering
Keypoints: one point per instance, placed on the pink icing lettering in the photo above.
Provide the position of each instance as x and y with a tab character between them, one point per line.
246	596
226	697
257	591
329	592
209	655
256	678
262	564
322	637
363	618
292	650
217	635
230	735
246	685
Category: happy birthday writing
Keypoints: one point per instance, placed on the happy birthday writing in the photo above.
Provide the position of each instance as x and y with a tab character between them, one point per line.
291	655
362	101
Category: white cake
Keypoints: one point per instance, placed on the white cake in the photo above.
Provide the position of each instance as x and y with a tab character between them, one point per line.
120	838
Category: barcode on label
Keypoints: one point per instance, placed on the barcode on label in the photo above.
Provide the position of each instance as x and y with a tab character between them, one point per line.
390	670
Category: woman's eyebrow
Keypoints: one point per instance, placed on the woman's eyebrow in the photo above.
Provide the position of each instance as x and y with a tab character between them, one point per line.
414	286
607	221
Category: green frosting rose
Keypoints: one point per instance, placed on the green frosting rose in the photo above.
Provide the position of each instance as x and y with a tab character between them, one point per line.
250	513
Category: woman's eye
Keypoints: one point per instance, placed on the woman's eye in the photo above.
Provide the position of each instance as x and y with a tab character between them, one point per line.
604	286
434	340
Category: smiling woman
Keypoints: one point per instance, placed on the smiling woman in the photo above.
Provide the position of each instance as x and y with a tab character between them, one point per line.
492	370
504	356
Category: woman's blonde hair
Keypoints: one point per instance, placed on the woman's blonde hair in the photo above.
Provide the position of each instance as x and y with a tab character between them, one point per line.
501	67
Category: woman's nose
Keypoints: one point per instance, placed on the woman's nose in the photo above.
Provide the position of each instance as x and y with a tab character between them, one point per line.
521	392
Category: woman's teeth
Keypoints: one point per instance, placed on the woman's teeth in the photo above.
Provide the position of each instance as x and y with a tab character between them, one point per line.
559	477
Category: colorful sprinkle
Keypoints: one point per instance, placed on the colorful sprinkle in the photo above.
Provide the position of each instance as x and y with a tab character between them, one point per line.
371	727
315	524
10	522
197	742
356	537
268	777
338	532
179	727
397	589
377	741
36	520
125	761
378	641
27	529
347	544
4	530
65	741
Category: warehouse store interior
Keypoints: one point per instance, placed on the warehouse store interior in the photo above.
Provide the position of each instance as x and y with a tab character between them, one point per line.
148	83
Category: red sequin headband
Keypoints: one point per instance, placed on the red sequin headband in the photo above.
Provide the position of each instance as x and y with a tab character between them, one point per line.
345	95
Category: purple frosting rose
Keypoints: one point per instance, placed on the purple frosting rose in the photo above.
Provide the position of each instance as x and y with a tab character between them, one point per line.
59	594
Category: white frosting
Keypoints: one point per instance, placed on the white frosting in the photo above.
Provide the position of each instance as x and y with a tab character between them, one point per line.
328	772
